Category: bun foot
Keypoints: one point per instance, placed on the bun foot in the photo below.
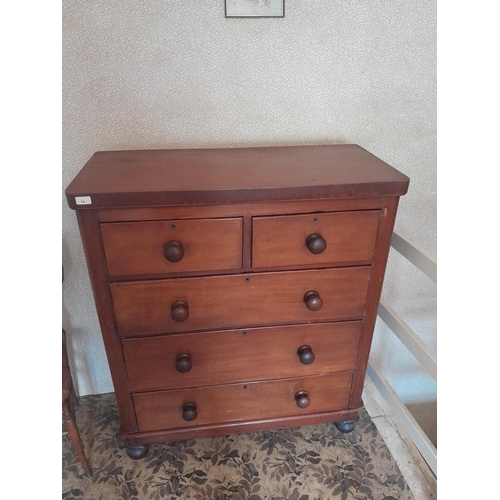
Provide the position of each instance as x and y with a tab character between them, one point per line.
135	452
346	425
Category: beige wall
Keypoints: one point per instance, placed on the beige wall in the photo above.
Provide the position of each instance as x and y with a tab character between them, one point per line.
177	74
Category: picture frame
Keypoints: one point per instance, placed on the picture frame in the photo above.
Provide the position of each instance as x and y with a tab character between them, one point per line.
255	8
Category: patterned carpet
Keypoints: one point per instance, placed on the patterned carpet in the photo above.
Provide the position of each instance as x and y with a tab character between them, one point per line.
302	463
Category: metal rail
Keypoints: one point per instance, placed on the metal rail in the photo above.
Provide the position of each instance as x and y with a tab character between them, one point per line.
417	348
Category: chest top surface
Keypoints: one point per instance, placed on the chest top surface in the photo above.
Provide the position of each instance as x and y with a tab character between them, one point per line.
235	175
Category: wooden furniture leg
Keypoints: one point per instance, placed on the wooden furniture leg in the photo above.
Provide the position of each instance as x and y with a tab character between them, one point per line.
346	425
68	400
135	452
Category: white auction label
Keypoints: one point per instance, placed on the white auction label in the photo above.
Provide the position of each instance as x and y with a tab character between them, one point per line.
83	200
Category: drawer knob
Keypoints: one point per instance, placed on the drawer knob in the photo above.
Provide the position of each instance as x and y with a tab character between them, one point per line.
316	243
306	355
173	251
180	311
313	301
189	412
302	399
183	363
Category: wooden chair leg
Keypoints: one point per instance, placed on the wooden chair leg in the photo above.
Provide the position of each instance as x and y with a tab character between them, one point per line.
73	396
69	400
74	435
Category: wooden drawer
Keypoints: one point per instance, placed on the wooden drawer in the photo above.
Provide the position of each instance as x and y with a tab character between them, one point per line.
237	355
139	248
217	302
241	402
283	240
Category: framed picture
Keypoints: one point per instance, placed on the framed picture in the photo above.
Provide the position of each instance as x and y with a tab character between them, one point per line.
255	8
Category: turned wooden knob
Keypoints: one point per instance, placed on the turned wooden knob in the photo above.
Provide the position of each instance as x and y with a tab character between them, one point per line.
313	301
316	243
306	355
189	412
302	399
183	363
173	251
180	311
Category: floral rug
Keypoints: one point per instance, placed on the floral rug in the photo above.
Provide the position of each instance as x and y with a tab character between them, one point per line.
313	462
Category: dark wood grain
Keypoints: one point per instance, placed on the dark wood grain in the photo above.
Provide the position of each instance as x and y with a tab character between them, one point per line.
68	408
138	248
387	219
282	241
238	402
240	209
259	311
94	254
208	176
238	355
258	424
144	307
247	242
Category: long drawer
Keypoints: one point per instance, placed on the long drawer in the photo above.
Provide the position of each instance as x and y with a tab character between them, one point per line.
219	302
241	402
211	358
172	246
314	239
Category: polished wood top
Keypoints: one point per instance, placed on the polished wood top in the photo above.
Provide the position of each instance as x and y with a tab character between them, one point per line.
236	175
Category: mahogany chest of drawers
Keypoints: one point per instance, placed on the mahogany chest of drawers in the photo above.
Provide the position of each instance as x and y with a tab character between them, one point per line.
236	289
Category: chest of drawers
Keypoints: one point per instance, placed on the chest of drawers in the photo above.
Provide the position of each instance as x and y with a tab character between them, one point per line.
236	289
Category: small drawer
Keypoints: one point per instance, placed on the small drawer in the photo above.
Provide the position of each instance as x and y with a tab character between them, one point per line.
241	300
241	402
212	358
314	239
172	246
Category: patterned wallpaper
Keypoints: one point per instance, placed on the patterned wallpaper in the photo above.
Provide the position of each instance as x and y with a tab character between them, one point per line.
178	74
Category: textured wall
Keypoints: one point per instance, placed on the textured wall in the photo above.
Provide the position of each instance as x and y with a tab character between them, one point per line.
177	74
